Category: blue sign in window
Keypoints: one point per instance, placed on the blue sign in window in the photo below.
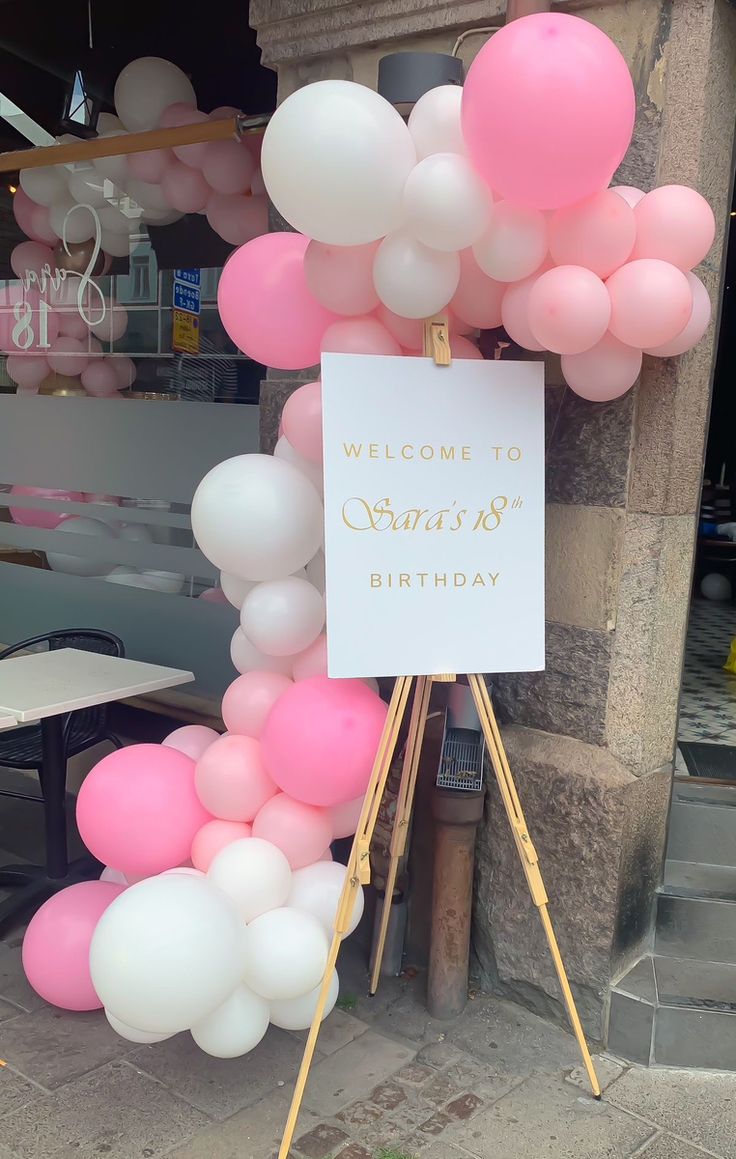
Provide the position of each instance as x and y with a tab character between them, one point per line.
192	277
186	298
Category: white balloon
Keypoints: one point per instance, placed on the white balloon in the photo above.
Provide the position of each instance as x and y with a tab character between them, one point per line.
715	586
313	471
257	517
316	890
79	564
76	225
316	571
116	244
149	196
132	1033
113	220
135	533
446	204
235	1028
166	953
285	954
114	876
413	280
246	657
255	874
128	577
170	582
45	185
146	87
297	1013
434	122
87	186
283	616
235	589
114	168
514	245
351	153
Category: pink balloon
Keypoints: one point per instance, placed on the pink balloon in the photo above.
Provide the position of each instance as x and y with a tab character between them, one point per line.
312	661
57	941
265	304
151	165
359	336
179	114
569	309
27	370
68	356
548	110
28	517
478	298
213	837
464	348
604	372
651	303
228	166
598	233
191	739
31	257
300	831
26	326
99	378
302	421
321	738
674	224
249	699
344	818
515	313
33	219
138	809
124	368
223	113
185	189
213	596
72	325
231	779
341	277
236	218
695	328
631	195
408	332
327	855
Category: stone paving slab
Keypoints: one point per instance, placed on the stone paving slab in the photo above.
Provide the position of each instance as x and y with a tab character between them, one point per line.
13	985
254	1133
337	1031
353	1071
665	1147
698	1105
53	1047
15	1091
607	1069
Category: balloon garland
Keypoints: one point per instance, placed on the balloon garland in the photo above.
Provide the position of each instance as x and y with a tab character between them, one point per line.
491	204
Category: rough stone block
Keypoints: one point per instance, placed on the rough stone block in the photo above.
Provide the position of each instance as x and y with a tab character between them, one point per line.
588	448
583	560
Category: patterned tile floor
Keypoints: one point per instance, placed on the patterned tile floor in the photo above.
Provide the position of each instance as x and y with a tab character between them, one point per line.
708	700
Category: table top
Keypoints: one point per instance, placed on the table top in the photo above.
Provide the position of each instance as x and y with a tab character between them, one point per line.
7	721
43	684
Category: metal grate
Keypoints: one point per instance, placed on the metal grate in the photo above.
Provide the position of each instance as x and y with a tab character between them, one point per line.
461	763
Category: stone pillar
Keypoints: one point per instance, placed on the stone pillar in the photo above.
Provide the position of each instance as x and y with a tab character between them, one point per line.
591	739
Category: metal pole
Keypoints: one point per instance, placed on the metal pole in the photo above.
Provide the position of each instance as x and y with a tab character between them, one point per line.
517	8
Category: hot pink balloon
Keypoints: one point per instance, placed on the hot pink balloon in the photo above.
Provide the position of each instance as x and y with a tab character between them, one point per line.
312	661
151	165
249	699
631	195
236	218
321	739
675	224
99	378
651	303
57	941
228	166
548	110
28	517
232	780
598	233
191	739
359	336
265	304
344	818
138	809
302	421
68	356
31	257
185	189
569	309
604	372
478	298
300	831
213	837
27	370
696	327
341	277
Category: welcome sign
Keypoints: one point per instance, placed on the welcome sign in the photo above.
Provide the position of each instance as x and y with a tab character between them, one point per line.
434	515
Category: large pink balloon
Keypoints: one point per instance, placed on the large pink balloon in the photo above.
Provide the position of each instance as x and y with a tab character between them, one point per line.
604	372
232	780
191	739
73	325
515	313
184	188
548	110
249	699
464	348
675	224
228	166
68	356
302	421
31	256
341	277
598	233
694	330
33	219
99	378
477	298
651	303
27	370
28	517
181	113
236	218
213	837
321	738
265	304
631	195
298	830
569	309
359	336
312	661
151	165
344	818
57	941
138	809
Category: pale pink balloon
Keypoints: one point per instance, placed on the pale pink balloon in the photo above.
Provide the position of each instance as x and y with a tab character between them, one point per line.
236	218
213	837
249	699
408	332
478	298
651	303
514	245
184	188
359	336
231	779
124	369
302	421
341	277
569	309
151	165
68	356
192	739
33	219
29	517
604	372
515	313
631	195
258	185
213	596
28	371
674	224
99	378
224	113
26	325
72	325
344	818
598	233
694	330
228	166
463	348
182	114
327	855
300	831
30	257
312	661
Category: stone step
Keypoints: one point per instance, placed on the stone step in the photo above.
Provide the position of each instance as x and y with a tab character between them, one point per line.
699	928
692	879
703	825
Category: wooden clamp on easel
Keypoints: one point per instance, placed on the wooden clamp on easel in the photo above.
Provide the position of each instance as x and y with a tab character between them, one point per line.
436	346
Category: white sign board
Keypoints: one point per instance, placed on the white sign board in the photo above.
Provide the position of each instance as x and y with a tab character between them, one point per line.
434	515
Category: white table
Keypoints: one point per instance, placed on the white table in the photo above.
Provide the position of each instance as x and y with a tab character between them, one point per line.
7	722
46	687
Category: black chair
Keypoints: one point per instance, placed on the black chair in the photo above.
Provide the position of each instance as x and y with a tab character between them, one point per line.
45	748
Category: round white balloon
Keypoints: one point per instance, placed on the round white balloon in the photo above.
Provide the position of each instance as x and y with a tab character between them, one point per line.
434	122
313	471
316	890
114	168
235	1028
715	586
71	222
146	87
297	1013
335	160
246	657
257	517
285	954
514	245
45	185
446	204
413	280
87	186
166	953
254	873
80	564
235	589
283	616
136	533
132	1033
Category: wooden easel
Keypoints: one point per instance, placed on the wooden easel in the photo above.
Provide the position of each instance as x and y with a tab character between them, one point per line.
436	346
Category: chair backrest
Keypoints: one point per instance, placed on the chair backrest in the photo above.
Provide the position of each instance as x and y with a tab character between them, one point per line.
84	639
